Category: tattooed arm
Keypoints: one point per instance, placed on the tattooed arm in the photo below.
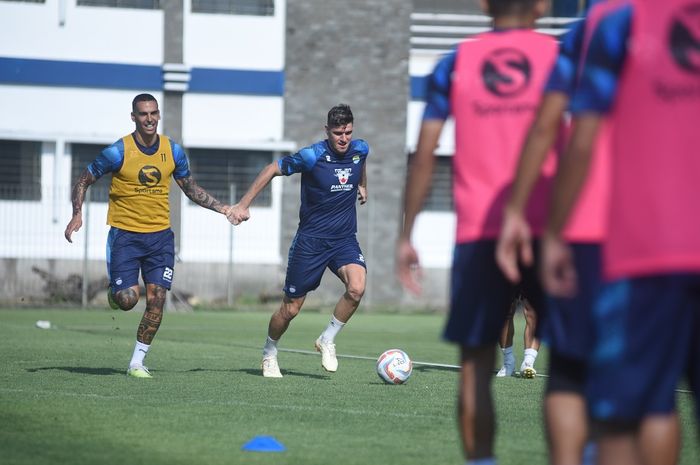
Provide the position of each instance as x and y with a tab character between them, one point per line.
199	196
85	180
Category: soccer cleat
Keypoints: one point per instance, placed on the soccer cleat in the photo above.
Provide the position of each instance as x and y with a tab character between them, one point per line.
506	370
270	367
528	371
508	367
139	371
110	300
329	362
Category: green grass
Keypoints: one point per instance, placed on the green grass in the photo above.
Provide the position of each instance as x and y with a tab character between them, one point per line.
64	398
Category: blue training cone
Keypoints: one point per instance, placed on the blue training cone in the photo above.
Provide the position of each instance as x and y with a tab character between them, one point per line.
264	444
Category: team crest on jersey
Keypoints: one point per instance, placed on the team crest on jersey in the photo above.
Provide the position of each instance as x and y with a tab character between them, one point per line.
343	175
506	72
684	38
356	159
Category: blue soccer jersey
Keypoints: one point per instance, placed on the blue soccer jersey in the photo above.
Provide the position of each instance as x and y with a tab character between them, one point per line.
437	105
603	62
329	185
564	74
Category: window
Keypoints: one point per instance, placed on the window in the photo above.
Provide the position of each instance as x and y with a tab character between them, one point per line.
216	169
81	156
235	7
440	197
20	170
143	4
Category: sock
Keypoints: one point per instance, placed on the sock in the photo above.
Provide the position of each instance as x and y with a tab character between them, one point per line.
140	351
508	358
485	461
332	330
270	348
530	356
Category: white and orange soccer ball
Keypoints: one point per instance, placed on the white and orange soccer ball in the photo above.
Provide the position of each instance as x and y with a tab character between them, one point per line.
394	366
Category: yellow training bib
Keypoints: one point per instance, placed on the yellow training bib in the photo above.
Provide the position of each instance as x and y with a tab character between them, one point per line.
138	196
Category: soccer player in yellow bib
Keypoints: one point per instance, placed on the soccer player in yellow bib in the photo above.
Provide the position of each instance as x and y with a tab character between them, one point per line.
140	238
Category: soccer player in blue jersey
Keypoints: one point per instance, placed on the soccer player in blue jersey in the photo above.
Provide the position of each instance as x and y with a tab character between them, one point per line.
568	327
140	239
333	178
640	72
491	86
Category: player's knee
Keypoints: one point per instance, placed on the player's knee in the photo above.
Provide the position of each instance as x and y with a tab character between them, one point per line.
566	374
290	308
355	292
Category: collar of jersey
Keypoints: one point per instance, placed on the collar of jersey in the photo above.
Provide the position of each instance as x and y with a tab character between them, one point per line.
147	150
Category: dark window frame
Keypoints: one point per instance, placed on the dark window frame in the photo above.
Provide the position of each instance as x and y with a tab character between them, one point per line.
20	170
215	169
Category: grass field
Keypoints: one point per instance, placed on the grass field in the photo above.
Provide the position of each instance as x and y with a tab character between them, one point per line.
64	397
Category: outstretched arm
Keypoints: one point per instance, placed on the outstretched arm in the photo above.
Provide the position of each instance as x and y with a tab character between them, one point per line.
85	180
200	196
240	212
418	181
514	242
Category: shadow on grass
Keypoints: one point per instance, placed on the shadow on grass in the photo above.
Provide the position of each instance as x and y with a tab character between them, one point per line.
81	370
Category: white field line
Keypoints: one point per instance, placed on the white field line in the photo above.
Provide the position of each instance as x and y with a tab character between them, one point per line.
430	364
362	357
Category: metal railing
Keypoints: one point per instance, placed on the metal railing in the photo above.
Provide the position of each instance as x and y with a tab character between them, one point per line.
440	32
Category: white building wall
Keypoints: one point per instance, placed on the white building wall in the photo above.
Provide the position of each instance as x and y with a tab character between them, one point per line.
434	232
90	34
57	115
239	42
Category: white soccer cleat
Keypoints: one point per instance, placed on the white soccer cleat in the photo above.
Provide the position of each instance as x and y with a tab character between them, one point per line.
527	370
270	367
329	362
508	367
506	370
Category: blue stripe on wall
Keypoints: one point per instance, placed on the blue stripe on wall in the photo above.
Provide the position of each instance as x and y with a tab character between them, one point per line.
139	77
419	85
232	81
80	74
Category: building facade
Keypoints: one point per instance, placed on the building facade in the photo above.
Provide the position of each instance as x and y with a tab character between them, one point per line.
241	83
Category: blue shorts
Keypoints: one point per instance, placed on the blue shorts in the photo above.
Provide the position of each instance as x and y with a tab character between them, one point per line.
569	329
153	254
647	333
310	256
481	296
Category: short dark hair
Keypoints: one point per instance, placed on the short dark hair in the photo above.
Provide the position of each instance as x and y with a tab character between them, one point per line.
506	7
142	98
339	115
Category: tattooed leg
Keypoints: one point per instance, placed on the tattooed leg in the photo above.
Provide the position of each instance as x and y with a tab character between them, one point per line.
127	298
150	322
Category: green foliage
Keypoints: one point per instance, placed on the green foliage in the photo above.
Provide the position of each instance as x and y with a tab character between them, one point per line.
65	399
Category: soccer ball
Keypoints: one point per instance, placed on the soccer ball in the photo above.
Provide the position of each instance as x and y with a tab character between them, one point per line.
394	366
